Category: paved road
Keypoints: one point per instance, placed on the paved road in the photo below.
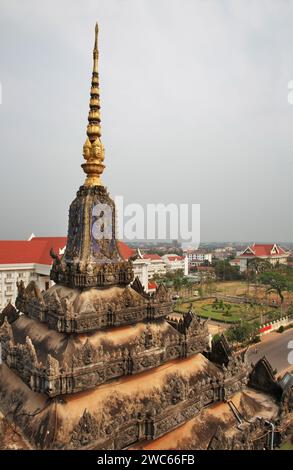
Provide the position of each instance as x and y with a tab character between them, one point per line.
275	347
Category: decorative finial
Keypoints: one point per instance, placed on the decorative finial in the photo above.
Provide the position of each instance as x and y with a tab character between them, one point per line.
93	149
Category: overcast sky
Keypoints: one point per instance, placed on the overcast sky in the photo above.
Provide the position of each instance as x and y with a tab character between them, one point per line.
194	97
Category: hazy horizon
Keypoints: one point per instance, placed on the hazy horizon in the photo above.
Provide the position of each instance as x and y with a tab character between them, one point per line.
194	107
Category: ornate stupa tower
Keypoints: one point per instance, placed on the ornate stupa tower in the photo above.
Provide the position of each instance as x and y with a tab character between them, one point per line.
97	363
92	258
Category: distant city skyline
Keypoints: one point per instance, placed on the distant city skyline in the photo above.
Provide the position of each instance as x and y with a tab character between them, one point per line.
194	107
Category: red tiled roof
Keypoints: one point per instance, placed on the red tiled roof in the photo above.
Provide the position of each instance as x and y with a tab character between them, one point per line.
125	250
152	285
20	251
259	250
53	240
37	250
57	243
175	258
152	256
34	251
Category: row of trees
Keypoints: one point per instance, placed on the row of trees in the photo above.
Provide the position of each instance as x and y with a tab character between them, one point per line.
278	278
176	279
225	272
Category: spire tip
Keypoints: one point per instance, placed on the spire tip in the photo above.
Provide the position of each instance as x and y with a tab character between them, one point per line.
96	36
93	149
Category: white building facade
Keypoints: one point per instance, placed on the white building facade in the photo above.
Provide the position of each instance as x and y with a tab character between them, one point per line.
155	266
198	257
175	263
26	260
10	274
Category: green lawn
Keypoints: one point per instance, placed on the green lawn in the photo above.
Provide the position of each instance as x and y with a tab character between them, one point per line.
237	312
208	311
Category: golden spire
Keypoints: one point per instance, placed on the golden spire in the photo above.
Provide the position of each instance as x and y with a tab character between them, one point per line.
93	149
